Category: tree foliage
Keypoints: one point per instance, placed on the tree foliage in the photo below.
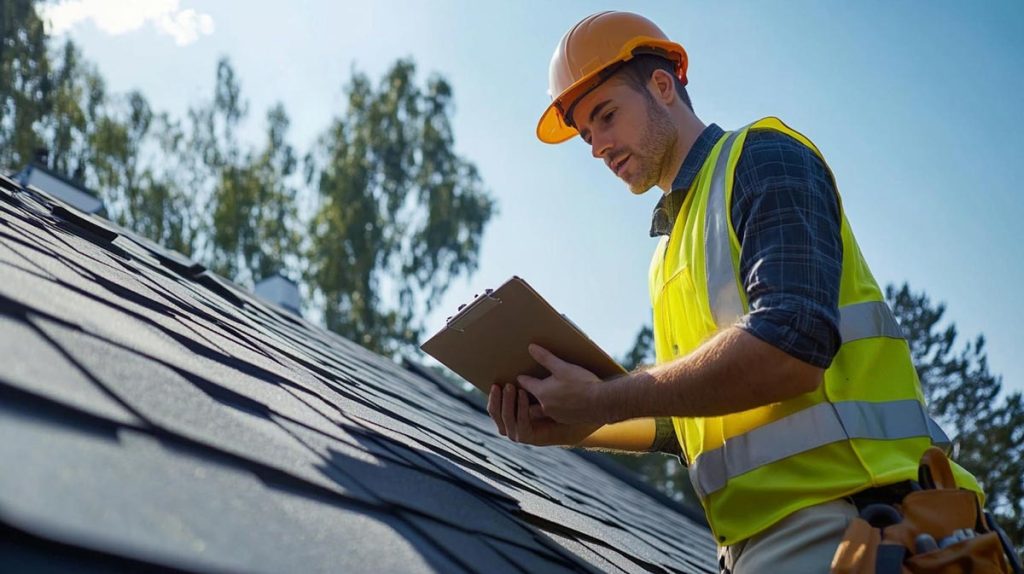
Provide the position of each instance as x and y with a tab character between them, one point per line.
253	231
24	81
642	352
73	110
400	213
985	424
55	101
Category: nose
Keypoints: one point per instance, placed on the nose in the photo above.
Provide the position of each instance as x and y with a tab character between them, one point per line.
600	144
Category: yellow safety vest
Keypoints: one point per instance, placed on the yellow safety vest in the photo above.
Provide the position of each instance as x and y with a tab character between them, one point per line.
865	426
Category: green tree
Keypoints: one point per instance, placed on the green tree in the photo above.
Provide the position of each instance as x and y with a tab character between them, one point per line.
985	424
400	214
24	81
157	200
57	101
255	219
72	112
116	145
50	101
218	179
278	231
642	352
136	188
251	229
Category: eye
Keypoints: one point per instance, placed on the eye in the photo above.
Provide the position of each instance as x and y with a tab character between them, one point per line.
607	118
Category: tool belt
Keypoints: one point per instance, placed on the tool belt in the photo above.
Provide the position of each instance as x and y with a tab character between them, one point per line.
926	527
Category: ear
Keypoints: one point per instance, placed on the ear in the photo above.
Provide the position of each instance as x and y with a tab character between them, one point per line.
662	86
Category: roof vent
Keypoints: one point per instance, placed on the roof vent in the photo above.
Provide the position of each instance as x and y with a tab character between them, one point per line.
280	290
64	189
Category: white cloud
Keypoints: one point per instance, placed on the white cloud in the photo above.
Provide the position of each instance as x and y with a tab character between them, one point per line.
121	16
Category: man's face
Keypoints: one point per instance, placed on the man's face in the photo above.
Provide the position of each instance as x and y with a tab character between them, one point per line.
628	130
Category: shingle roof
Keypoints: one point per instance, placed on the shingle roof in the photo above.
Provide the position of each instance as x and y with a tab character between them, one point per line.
154	415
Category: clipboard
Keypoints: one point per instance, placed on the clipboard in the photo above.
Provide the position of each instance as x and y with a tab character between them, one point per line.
486	341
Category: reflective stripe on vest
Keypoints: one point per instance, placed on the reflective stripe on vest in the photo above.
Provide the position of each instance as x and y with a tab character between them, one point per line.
816	426
723	290
866	320
857	321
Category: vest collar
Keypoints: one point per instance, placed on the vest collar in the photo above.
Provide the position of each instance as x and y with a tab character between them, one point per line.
670	203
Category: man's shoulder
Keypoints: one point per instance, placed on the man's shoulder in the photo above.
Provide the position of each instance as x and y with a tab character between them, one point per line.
768	152
768	139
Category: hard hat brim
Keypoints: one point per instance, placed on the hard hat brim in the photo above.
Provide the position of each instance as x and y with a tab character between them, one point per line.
552	127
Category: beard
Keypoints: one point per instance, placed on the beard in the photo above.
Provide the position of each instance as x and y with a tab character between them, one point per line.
652	155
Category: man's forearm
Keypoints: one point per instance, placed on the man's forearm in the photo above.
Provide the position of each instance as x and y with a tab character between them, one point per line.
732	372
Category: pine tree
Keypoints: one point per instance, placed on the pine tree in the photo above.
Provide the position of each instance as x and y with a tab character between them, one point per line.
985	424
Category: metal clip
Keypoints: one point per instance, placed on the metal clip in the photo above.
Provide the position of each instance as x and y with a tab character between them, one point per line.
468	313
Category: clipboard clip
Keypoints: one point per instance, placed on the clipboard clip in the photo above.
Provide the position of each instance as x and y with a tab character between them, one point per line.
470	312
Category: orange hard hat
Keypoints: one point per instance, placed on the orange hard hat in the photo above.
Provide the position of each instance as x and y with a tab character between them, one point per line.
590	53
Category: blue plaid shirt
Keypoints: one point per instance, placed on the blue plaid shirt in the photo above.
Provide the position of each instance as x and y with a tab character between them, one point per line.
785	212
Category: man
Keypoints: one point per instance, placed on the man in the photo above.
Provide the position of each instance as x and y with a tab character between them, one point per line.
781	370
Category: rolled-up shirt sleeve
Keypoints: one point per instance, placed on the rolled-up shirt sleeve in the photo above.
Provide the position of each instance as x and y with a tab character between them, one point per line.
785	211
665	438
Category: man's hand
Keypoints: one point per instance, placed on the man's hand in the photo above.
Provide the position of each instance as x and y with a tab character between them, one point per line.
509	407
568	395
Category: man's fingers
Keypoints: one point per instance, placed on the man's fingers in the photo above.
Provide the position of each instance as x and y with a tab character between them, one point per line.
548	360
524	432
508	410
531	384
494	408
563	370
537	412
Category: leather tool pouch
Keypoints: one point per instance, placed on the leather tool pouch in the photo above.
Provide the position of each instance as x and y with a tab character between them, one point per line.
938	529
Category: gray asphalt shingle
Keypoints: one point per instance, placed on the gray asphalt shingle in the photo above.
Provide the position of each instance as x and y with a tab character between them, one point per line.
154	415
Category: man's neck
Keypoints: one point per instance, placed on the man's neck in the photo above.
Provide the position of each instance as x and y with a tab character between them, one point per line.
688	129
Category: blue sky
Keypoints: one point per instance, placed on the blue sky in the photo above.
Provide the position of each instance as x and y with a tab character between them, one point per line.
916	105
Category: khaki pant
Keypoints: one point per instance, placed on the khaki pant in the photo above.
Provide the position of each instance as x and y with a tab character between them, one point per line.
804	541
